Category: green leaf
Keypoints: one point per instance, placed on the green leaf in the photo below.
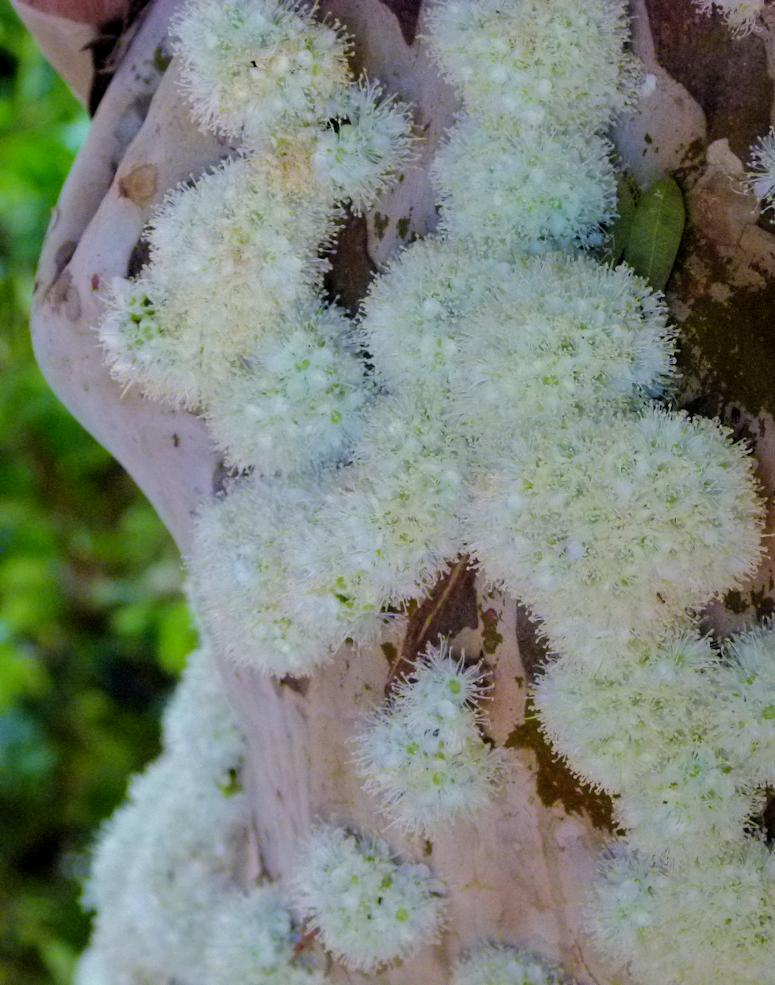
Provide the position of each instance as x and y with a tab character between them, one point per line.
655	232
620	230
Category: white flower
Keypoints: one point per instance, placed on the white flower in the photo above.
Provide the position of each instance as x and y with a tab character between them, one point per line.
614	529
556	339
163	860
688	807
440	691
745	690
139	340
228	257
761	178
253	595
251	942
562	64
199	724
506	191
690	925
741	15
414	313
251	67
368	907
296	404
423	754
492	964
365	145
396	513
622	722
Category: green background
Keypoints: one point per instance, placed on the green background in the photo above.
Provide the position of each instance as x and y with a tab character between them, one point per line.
93	628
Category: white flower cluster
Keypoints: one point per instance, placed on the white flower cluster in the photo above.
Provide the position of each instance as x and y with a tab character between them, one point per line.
526	169
424	755
741	15
252	940
252	68
227	317
493	964
165	856
613	534
761	178
684	736
712	922
561	64
460	345
368	907
253	549
745	687
613	518
161	879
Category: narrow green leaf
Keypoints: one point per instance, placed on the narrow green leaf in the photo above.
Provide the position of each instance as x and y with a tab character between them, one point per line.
656	231
620	229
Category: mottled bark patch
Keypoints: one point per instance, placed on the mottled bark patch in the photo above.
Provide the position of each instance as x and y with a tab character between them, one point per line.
532	649
138	258
108	47
64	254
140	184
64	298
728	333
351	266
555	784
450	607
727	76
298	684
407	13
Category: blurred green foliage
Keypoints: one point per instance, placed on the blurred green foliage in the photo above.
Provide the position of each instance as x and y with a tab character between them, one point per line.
92	625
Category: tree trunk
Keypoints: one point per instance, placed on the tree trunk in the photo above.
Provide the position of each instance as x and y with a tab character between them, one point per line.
520	872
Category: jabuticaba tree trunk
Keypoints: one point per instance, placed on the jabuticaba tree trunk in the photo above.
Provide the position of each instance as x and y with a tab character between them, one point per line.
520	872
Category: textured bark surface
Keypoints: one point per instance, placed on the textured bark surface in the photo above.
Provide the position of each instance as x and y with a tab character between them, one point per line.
521	871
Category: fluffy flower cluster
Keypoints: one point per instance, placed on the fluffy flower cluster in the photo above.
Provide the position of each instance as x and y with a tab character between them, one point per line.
761	177
558	333
526	168
252	68
163	858
507	193
614	534
689	926
616	724
298	399
161	879
414	313
683	736
248	580
564	337
492	964
368	907
561	64
228	312
745	690
252	941
741	15
423	755
654	729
